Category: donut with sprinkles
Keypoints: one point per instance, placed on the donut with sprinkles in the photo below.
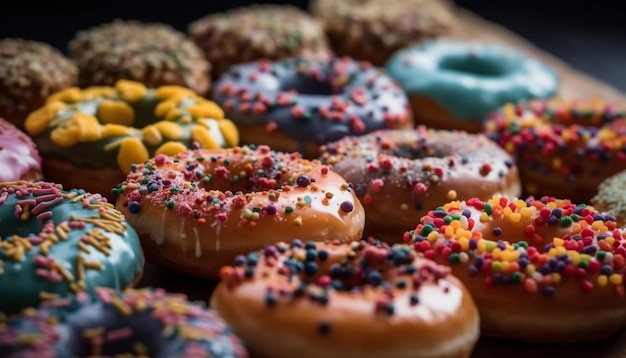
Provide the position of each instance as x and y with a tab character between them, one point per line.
90	137
19	157
336	299
298	104
563	147
55	243
401	174
197	210
540	270
109	323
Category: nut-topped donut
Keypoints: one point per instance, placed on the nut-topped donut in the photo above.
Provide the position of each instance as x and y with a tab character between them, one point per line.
197	210
109	323
19	157
335	299
401	174
152	53
30	71
563	147
89	138
298	104
541	270
55	243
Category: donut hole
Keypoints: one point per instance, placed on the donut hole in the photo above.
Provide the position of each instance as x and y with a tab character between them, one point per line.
118	334
420	150
475	66
306	85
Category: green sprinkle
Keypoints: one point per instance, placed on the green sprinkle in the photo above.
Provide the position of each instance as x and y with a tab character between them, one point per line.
566	221
454	258
170	204
427	229
289	210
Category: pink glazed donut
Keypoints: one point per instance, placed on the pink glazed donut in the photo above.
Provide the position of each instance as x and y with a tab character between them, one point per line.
19	157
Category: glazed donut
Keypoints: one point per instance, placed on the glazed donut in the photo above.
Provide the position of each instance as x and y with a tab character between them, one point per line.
372	30
298	104
258	31
610	197
154	54
456	85
55	242
197	210
109	323
563	147
540	270
30	71
19	157
401	174
333	299
89	138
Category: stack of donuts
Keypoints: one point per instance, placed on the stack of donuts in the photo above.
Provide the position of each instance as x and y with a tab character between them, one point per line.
349	180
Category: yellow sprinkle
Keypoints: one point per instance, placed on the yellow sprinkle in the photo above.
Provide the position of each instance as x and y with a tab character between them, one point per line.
404	206
202	135
121	306
68	95
207	109
451	194
615	279
171	148
166	92
298	221
93	92
44	296
116	112
433	236
558	241
67	136
514	217
37	122
115	130
556	277
448	232
89	129
131	91
530	269
151	136
163	108
173	115
169	130
229	131
93	332
602	280
484	217
93	265
132	151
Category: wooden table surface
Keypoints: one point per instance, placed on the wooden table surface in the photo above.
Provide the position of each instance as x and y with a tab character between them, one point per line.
574	84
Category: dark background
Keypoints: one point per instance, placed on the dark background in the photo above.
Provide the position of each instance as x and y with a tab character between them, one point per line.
589	35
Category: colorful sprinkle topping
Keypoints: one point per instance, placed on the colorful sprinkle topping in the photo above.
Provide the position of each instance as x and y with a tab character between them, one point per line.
54	243
142	322
539	245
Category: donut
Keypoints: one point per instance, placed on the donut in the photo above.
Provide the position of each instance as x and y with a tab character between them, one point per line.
456	85
55	243
399	175
153	53
30	71
563	147
544	270
197	210
89	138
372	30
19	157
257	31
298	104
335	299
109	323
610	197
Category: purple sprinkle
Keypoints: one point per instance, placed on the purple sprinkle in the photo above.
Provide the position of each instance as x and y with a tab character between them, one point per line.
270	209
239	260
346	206
303	181
497	231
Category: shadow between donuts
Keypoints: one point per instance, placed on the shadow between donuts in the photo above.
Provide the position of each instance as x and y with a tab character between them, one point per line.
195	288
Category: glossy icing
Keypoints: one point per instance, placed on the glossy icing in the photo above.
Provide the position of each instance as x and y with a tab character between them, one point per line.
471	79
336	299
109	323
100	127
317	101
18	154
54	243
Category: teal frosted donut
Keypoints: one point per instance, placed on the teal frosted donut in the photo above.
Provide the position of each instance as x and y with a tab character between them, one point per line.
55	243
109	323
455	85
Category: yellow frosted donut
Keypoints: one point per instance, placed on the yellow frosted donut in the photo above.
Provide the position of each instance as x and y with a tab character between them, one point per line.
91	137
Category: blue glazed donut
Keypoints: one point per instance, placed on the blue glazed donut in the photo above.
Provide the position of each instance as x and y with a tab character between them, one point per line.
110	323
455	85
298	104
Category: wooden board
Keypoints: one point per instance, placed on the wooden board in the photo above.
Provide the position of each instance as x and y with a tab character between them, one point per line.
574	84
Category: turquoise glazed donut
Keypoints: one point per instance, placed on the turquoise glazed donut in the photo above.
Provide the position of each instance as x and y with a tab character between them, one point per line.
55	243
110	323
455	85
